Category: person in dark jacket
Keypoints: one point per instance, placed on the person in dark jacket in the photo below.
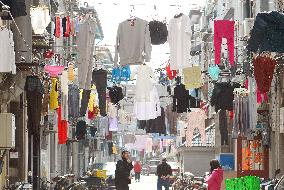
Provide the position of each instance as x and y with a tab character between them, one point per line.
164	171
122	172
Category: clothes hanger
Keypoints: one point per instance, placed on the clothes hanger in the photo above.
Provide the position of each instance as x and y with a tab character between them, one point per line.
155	15
131	14
179	14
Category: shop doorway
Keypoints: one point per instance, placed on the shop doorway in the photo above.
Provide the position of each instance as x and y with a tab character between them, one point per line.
252	157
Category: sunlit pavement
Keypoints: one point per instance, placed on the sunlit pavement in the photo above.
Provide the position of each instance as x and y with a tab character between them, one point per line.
149	182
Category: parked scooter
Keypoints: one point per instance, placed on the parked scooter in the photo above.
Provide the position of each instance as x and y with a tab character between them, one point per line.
63	182
270	184
20	186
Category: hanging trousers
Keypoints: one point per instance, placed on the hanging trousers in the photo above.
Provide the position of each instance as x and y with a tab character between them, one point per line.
84	102
34	93
224	29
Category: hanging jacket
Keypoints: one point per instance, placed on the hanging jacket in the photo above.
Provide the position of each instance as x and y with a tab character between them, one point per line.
223	96
267	33
215	180
181	99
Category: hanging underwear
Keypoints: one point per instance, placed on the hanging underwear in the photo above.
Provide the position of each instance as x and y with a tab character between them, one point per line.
54	71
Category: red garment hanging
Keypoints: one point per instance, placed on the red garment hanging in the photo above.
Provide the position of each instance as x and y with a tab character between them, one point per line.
171	73
68	27
57	27
263	72
62	128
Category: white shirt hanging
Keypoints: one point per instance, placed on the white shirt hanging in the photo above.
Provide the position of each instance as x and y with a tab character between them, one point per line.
148	110
7	53
144	83
179	39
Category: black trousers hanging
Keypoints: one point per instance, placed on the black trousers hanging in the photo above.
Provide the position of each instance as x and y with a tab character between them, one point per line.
84	102
102	101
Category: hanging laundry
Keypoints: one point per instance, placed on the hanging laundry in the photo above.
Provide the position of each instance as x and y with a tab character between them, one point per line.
113	124
48	54
121	74
81	130
180	42
129	138
53	101
85	46
92	101
71	74
57	31
73	100
115	94
171	73
17	8
133	42
241	124
253	96
66	25
61	128
223	96
214	72
64	95
150	109
263	72
84	102
125	118
34	92
112	110
171	119
144	83
100	80
125	73
164	79
158	32
94	113
181	99
224	29
53	70
156	125
7	55
267	33
196	120
40	19
192	77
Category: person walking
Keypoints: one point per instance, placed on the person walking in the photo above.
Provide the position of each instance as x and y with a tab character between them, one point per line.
122	172
164	171
215	179
137	170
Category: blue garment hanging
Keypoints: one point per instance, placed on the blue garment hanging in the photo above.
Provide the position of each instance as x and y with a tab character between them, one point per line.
125	73
214	72
115	75
121	74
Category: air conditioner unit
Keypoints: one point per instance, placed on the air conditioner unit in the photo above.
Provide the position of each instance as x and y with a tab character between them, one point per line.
248	25
7	128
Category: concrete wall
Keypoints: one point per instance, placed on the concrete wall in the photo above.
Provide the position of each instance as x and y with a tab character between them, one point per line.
196	159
